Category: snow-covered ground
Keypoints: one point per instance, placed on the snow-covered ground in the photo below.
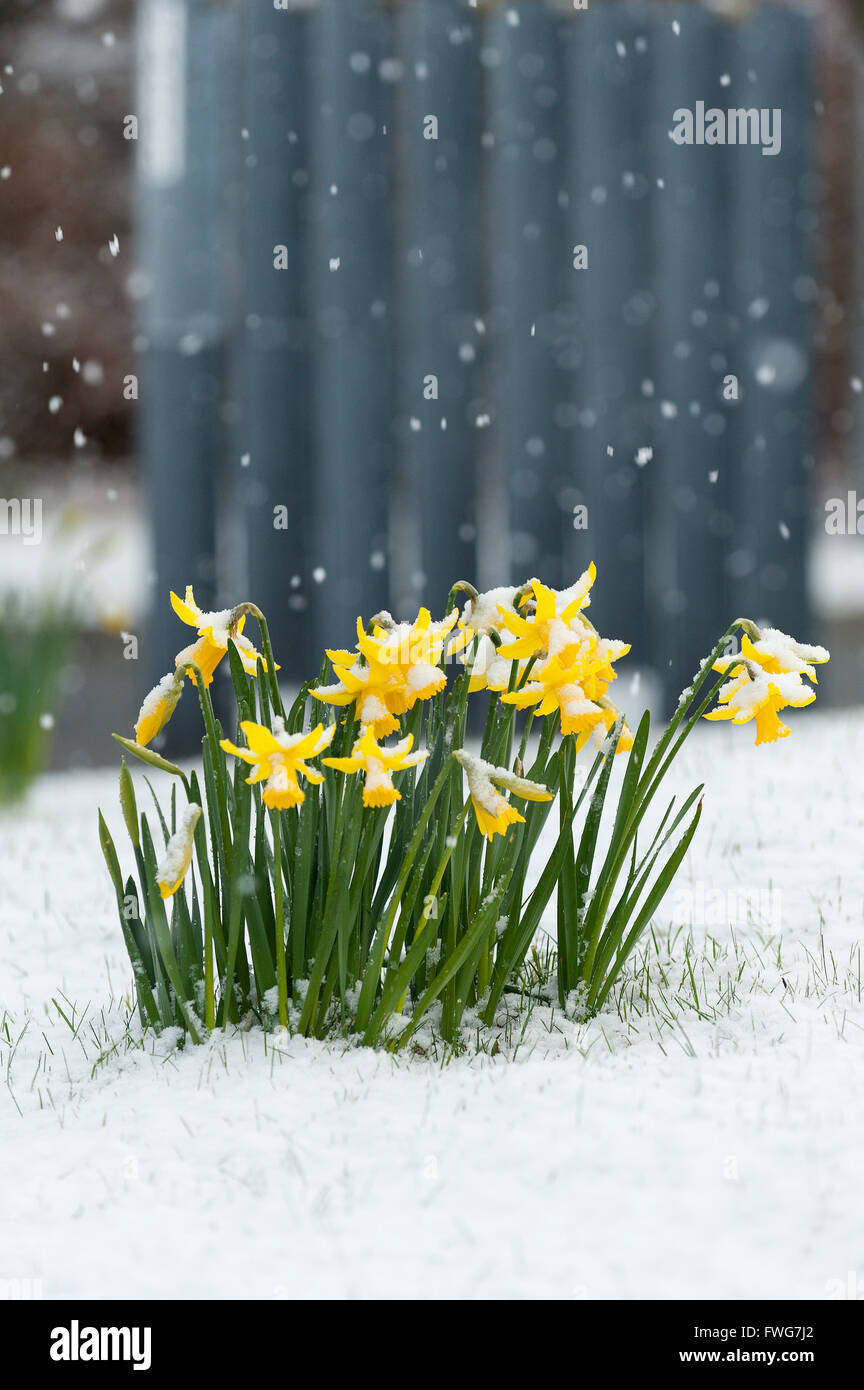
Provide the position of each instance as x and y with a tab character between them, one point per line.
715	1156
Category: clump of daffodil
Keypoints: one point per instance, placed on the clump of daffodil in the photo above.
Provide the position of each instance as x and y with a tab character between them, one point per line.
341	921
377	764
393	666
214	632
279	758
174	864
493	811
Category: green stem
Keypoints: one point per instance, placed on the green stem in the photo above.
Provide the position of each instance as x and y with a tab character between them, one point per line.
215	750
281	972
267	646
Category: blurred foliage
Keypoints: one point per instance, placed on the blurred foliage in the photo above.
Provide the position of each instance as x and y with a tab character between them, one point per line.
36	639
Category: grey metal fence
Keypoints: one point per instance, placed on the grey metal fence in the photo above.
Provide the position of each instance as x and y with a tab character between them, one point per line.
376	361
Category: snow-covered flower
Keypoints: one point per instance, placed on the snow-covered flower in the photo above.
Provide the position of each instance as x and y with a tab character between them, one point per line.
214	630
482	613
576	687
394	666
777	653
765	678
747	696
554	686
489	671
377	764
551	630
174	864
158	707
278	757
493	811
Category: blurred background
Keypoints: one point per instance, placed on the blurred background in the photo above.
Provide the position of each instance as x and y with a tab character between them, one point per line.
328	303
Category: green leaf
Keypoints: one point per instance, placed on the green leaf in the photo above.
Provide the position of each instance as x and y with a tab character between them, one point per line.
468	949
598	987
127	802
380	942
147	755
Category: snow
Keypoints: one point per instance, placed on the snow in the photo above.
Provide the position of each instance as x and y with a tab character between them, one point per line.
482	612
715	1157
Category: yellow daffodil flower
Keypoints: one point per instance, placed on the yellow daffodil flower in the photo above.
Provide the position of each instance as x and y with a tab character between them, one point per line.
393	667
174	864
214	630
493	811
576	688
779	654
158	708
377	764
379	696
761	697
278	758
549	629
489	671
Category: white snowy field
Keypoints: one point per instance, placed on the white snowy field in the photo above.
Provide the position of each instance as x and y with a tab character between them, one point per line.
701	1156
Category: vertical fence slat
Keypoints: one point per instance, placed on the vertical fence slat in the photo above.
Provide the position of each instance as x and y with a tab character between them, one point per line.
439	286
773	221
691	472
188	234
528	264
610	197
350	266
275	443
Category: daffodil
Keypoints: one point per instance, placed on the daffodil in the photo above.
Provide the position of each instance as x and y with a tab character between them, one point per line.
394	666
278	758
174	864
377	764
214	631
550	629
378	695
493	811
158	708
576	687
489	670
482	612
777	653
761	696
